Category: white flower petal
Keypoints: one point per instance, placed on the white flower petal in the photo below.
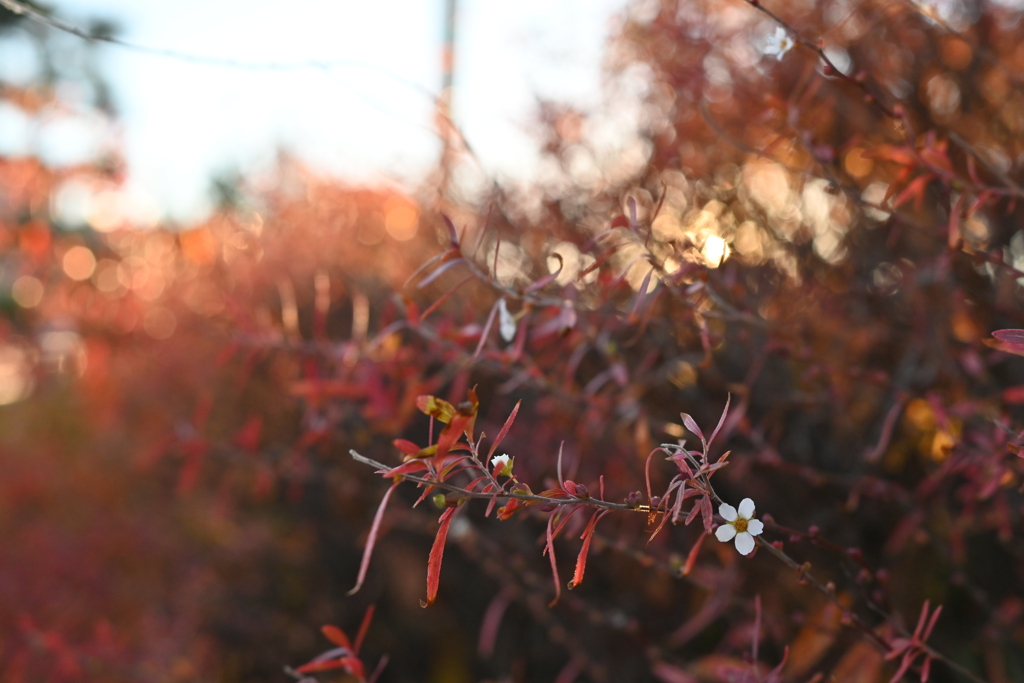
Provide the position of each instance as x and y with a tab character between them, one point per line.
725	532
746	508
506	323
755	527
744	543
780	33
727	511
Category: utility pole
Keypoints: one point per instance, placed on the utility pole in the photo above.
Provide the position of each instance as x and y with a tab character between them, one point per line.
445	126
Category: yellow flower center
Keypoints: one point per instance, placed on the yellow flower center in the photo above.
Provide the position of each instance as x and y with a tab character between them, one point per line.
740	524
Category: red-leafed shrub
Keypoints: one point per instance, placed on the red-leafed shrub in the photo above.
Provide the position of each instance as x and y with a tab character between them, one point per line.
747	381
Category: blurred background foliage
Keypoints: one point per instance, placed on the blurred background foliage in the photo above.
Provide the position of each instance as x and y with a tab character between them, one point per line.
830	243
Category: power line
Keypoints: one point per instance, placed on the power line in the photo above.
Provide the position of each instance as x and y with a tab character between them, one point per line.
327	66
21	9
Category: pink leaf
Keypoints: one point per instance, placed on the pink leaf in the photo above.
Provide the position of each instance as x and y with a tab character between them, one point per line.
1010	336
439	272
721	420
550	550
487	329
691	424
371	539
453	235
641	295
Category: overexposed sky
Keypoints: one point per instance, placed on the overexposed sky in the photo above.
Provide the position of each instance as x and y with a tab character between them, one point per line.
367	119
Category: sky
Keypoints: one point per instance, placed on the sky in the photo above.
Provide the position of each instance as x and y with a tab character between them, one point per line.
367	119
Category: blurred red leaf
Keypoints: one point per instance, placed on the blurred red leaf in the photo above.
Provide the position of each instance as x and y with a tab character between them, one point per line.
436	555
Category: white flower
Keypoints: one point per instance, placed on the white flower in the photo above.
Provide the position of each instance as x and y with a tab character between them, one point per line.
502	465
506	323
779	44
742	526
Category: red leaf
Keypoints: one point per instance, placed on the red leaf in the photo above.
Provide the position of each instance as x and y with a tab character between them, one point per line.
619	221
436	554
504	429
407	447
363	627
915	190
1014	395
506	510
462	422
691	558
581	560
336	636
371	539
248	437
350	664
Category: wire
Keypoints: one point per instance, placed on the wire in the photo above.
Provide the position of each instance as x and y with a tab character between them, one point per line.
21	9
327	66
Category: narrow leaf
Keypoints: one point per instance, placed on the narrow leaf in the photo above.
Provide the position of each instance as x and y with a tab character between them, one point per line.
550	549
691	558
641	295
487	330
439	272
444	297
453	235
451	253
691	424
371	539
436	554
407	447
721	420
363	628
337	636
504	429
